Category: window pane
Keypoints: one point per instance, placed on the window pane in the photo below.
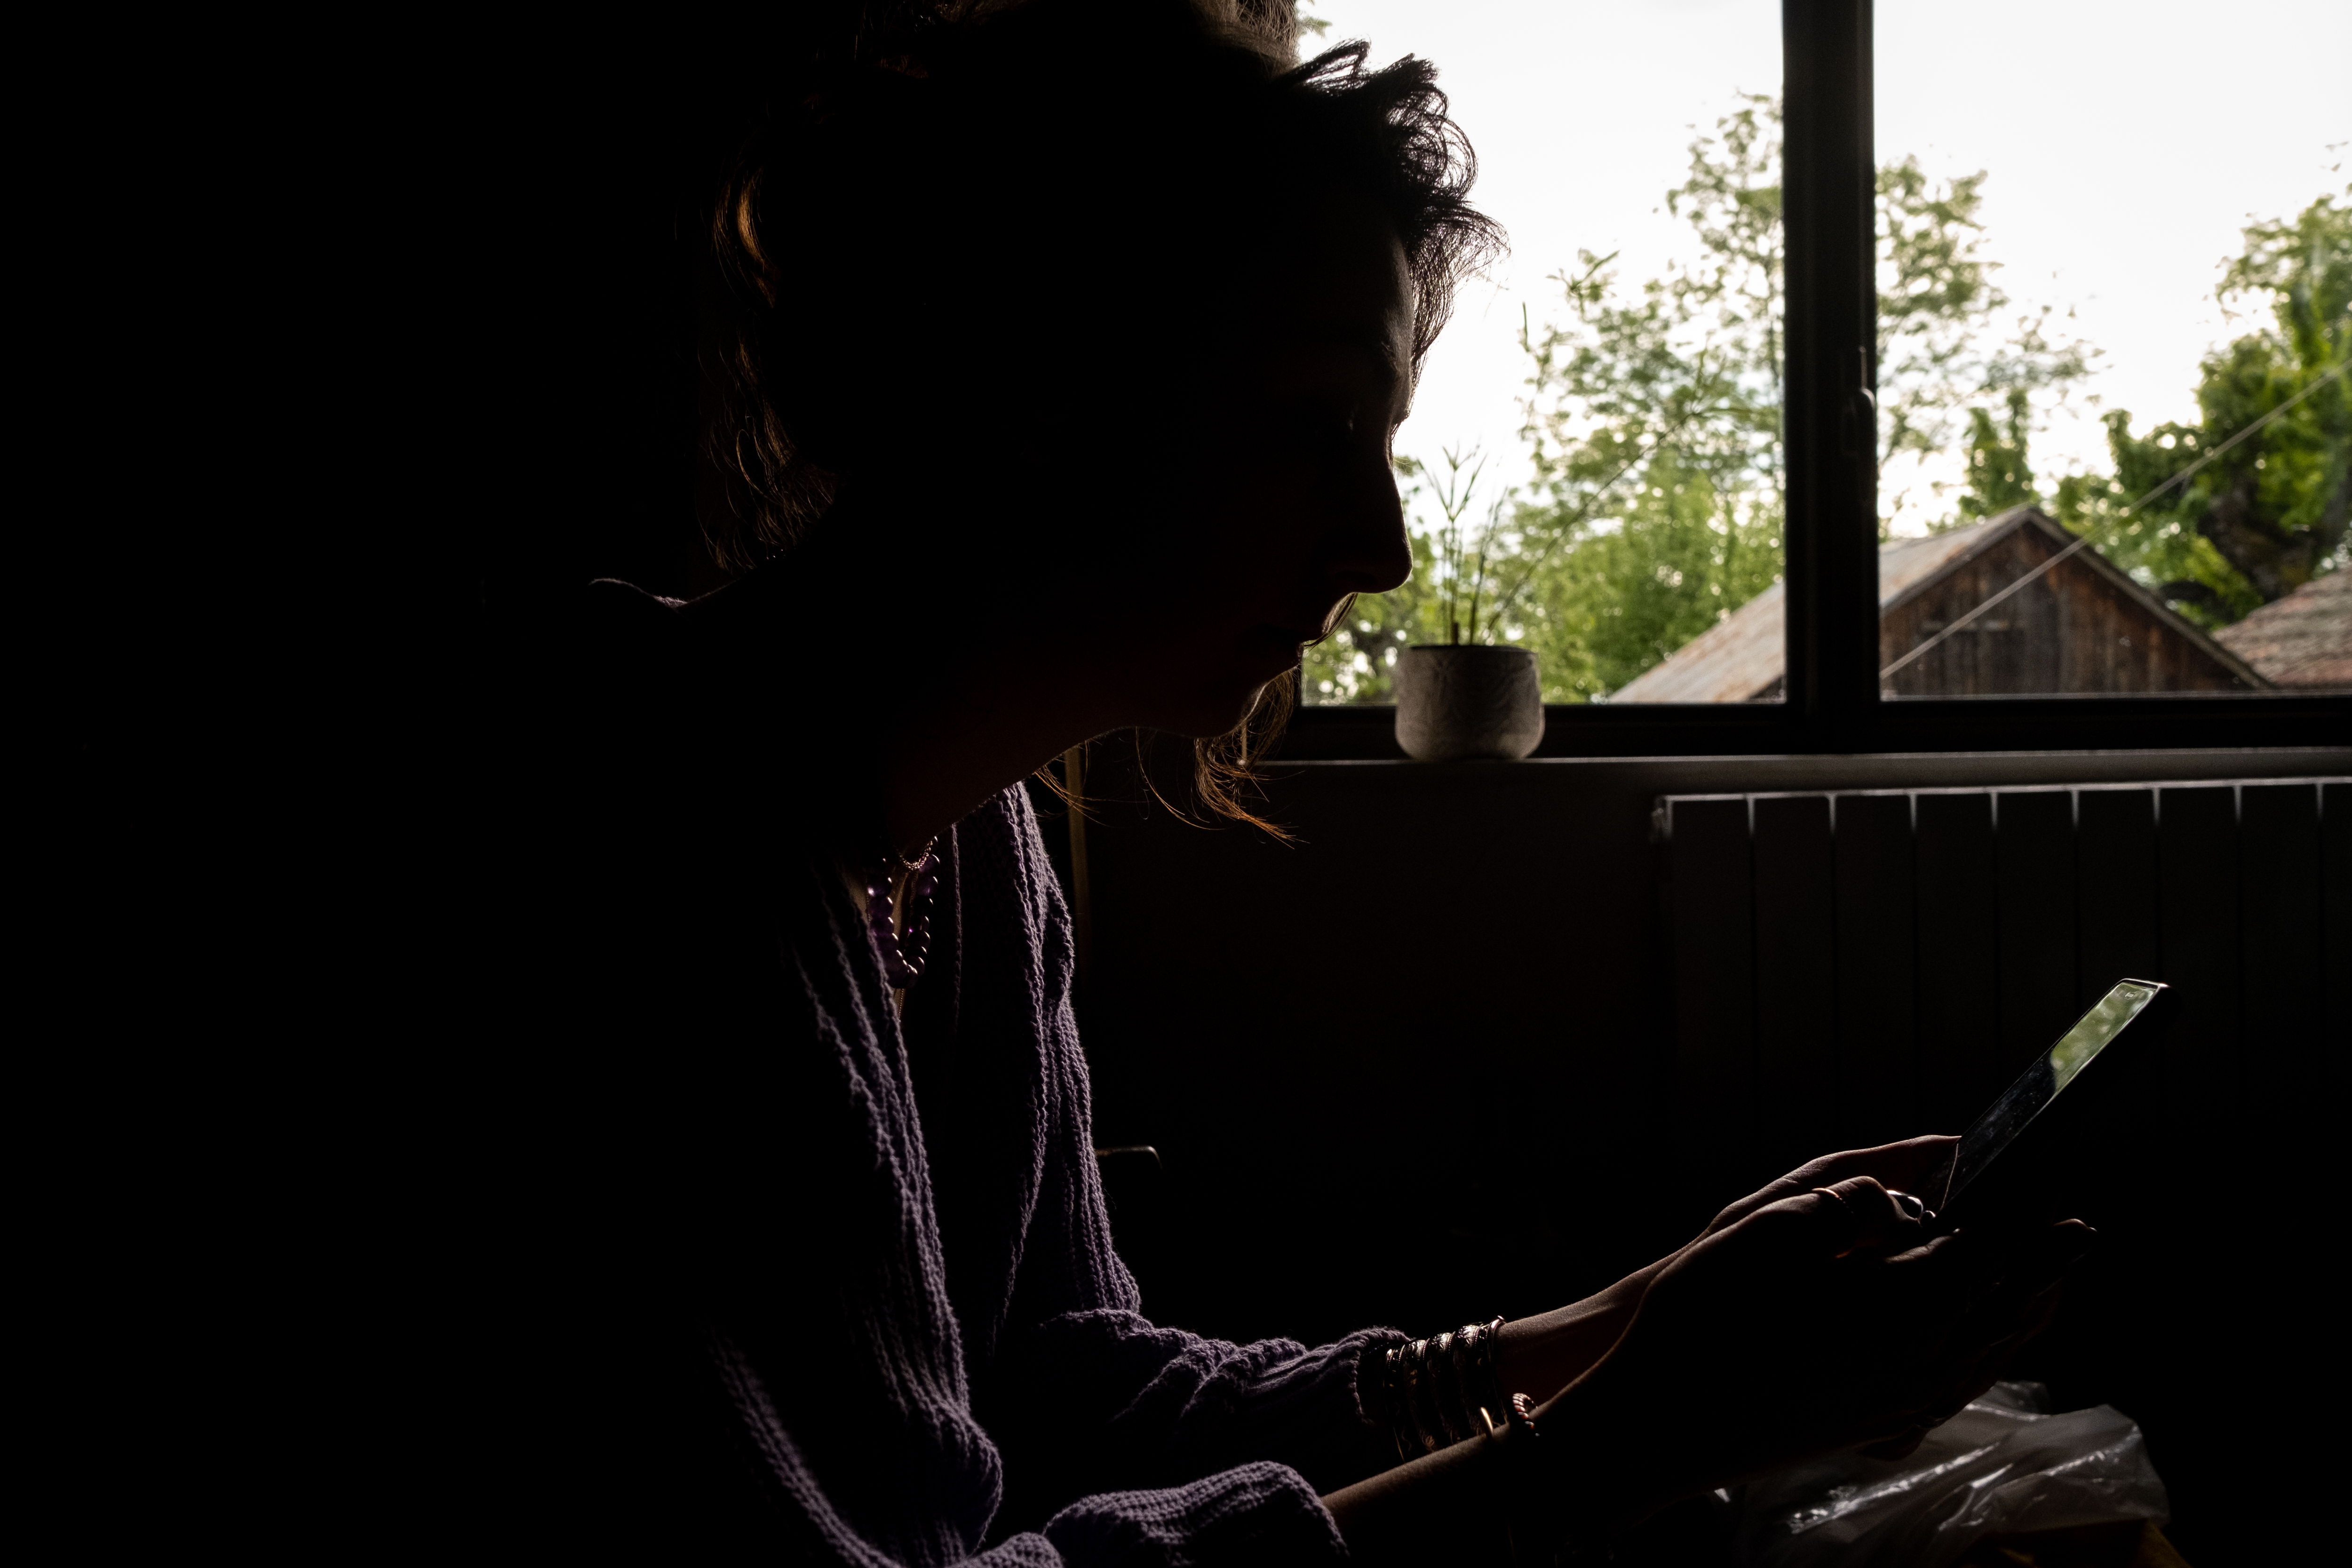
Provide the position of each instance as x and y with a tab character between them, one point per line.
1593	459
2115	258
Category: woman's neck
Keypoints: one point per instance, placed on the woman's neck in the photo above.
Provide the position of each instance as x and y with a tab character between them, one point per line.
866	641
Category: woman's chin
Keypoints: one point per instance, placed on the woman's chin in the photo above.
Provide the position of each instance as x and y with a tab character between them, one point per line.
1209	709
1212	691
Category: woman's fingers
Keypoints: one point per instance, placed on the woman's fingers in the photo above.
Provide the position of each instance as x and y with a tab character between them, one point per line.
2022	1303
2053	1250
1859	1215
1856	1214
1898	1165
1836	1300
2026	1267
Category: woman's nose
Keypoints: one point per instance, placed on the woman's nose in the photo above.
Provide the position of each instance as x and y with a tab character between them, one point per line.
1368	553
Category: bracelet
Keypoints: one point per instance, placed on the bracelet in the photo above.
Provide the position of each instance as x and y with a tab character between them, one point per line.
1445	1390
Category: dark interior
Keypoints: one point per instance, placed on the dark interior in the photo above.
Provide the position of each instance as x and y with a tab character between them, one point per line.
1508	1030
1506	1035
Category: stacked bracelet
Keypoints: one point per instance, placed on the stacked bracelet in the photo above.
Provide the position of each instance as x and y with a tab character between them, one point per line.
1444	1390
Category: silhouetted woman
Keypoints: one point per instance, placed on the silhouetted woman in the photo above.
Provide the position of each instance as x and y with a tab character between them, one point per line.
1051	356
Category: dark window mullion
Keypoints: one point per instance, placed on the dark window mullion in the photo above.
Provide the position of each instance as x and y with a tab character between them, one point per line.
1829	211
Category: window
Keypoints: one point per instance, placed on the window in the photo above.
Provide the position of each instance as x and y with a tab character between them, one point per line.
2138	483
1594	456
1767	354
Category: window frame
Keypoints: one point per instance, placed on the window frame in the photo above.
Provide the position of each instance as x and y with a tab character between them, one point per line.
1830	537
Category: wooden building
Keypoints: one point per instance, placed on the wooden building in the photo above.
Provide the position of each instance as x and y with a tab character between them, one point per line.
2083	628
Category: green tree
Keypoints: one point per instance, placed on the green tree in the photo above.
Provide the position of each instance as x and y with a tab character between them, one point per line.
1999	476
1654	418
1679	556
2268	513
1621	548
1654	428
1946	338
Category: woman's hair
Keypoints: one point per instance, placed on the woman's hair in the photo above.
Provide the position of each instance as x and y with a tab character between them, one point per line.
941	210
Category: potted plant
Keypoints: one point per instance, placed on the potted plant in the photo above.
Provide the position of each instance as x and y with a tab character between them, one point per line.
1461	698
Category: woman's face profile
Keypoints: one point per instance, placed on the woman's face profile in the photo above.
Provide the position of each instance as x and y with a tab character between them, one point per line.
1288	503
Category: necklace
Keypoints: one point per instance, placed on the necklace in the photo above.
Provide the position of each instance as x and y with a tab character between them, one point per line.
903	950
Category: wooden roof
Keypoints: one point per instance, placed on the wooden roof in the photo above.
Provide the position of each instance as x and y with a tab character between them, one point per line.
1745	655
2303	640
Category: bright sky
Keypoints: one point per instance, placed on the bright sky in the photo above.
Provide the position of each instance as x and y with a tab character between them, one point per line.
2127	142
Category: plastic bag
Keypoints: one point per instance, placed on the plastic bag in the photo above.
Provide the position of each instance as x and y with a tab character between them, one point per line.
1999	1468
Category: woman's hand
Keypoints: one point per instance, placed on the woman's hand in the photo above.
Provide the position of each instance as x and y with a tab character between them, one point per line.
1798	1325
1901	1166
1542	1355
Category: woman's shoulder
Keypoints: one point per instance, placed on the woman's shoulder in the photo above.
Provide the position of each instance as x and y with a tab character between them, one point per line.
1016	911
1002	841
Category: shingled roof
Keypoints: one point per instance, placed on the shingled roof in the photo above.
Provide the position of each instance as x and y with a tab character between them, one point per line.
2303	640
1739	656
1744	655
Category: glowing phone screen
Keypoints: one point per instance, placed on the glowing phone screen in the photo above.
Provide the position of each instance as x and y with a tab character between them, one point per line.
2042	1082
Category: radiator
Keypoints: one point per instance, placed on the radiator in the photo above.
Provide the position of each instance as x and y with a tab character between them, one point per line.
1851	968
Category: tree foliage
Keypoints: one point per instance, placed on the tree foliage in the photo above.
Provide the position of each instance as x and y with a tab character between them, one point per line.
1655	497
1654	503
2000	475
2268	513
1947	340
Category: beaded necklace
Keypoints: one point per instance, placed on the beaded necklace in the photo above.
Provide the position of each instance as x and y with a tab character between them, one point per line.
903	950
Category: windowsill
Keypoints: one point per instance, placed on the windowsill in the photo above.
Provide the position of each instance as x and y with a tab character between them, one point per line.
1918	726
1767	772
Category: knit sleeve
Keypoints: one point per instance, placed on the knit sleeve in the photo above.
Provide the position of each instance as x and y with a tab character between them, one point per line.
1246	1514
1110	1399
1082	1393
1254	1516
1251	1515
1257	1514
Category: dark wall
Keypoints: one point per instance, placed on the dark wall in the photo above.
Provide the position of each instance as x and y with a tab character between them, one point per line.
1418	1067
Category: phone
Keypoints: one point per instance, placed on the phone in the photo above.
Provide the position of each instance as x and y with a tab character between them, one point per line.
2035	1148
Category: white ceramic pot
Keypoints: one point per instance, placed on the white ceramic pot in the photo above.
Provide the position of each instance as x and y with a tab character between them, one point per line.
1459	702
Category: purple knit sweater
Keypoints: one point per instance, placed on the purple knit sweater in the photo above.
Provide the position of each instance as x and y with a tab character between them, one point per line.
786	1280
978	1329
